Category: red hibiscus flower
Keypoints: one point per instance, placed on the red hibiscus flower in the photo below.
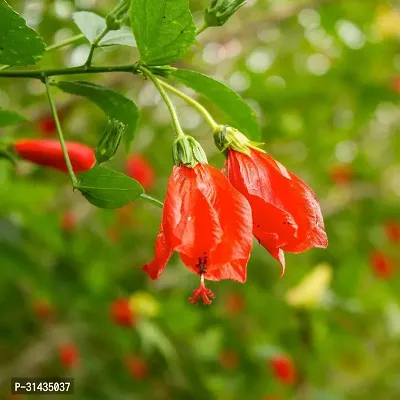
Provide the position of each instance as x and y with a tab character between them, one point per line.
205	220
284	369
286	213
137	167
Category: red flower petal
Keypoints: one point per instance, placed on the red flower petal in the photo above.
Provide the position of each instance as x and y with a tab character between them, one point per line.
198	229
311	232
163	252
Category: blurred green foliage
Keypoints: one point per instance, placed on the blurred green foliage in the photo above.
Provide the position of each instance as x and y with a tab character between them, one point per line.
321	76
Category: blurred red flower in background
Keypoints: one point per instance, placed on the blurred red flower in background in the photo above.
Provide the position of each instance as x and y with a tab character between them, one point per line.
121	312
286	213
47	126
341	174
229	359
68	222
396	84
284	369
137	167
381	264
209	223
43	309
235	303
392	230
137	366
69	355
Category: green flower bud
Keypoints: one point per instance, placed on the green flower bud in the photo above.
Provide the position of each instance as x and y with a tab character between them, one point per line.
219	11
231	138
109	141
116	17
187	151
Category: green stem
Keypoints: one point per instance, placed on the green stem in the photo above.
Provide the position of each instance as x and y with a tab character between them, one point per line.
202	29
202	110
40	74
60	134
94	45
168	102
151	200
65	42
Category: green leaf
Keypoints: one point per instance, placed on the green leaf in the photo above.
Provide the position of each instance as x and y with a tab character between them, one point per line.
115	105
231	103
19	44
164	30
123	37
91	25
9	117
106	188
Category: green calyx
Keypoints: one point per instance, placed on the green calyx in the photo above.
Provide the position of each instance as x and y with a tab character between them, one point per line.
219	11
231	138
109	141
187	151
117	16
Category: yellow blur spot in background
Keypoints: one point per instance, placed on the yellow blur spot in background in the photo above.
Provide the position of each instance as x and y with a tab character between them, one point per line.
388	21
144	304
310	290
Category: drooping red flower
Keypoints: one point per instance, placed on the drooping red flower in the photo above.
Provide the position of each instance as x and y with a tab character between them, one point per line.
381	264
392	230
208	223
137	366
69	355
284	369
137	167
121	312
286	213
